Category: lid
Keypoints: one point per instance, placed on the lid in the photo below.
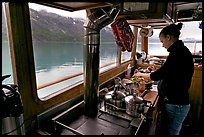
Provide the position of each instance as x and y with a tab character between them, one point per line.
133	99
119	95
126	81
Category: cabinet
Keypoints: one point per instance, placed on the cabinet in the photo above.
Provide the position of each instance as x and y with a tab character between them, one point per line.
195	93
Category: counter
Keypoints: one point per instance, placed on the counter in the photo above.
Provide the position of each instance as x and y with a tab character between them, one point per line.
152	94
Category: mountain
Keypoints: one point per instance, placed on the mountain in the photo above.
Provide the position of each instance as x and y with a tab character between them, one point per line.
48	26
53	27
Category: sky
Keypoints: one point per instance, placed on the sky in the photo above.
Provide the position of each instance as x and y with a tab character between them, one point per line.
189	30
76	14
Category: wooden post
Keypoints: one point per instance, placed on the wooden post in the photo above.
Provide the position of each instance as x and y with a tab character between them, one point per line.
134	46
144	44
119	54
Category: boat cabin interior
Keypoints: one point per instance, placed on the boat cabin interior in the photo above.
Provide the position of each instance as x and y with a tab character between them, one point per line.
96	95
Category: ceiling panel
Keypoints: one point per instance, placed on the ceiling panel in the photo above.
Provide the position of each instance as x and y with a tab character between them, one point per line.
75	6
154	14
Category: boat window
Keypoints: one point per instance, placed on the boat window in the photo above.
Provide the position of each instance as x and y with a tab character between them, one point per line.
139	44
191	35
108	49
58	47
6	56
58	38
155	46
125	56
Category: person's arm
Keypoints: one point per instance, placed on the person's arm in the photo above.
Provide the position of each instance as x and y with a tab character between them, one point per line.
144	75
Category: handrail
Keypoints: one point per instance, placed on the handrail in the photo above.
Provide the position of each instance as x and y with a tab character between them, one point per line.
67	77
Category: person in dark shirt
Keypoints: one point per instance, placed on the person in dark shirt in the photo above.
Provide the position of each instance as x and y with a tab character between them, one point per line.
174	78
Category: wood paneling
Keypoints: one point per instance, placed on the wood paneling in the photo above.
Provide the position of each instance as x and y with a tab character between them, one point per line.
195	93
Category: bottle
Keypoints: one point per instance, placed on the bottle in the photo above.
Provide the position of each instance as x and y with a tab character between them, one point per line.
128	71
138	57
144	56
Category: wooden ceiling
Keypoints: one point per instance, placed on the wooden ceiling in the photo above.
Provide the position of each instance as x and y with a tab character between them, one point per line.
75	6
154	14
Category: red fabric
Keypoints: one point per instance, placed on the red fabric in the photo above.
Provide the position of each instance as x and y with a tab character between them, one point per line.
123	34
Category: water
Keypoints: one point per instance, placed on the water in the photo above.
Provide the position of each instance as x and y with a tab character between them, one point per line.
6	62
57	60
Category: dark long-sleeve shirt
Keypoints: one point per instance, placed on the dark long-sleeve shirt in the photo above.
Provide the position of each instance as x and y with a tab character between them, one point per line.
176	73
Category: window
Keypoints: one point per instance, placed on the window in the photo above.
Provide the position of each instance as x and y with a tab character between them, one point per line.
191	35
155	46
6	57
125	56
58	38
108	49
58	47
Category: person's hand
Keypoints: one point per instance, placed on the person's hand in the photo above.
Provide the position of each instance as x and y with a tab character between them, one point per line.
151	68
138	74
142	75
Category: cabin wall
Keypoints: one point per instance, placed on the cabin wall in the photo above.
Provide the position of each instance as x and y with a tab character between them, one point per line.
24	71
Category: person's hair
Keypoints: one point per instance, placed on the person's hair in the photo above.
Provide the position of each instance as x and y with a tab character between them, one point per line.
172	29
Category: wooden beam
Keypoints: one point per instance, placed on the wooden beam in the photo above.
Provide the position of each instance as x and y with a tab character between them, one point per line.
22	54
144	44
134	46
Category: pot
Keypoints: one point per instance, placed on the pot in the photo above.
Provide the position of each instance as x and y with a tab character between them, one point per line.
115	100
134	105
128	85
